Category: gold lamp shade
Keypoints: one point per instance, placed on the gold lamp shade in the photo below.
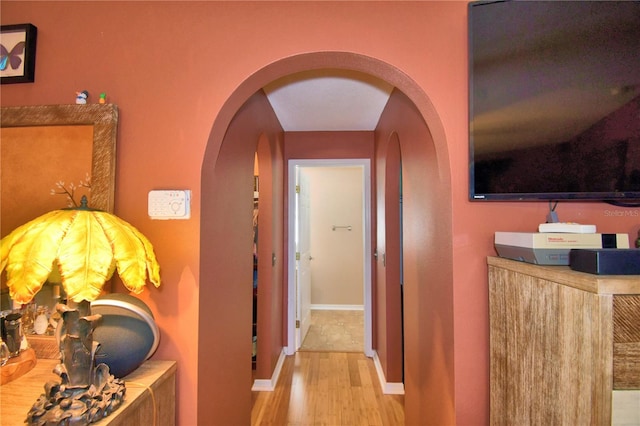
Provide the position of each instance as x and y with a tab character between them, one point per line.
81	247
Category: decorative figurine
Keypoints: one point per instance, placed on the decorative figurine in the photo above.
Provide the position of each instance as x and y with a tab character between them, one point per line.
87	392
103	98
81	97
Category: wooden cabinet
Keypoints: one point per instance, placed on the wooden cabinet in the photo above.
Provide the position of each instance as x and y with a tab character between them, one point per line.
561	342
150	397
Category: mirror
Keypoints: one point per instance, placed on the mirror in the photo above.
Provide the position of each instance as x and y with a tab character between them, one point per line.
52	155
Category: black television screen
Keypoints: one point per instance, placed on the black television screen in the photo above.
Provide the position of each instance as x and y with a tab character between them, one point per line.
554	100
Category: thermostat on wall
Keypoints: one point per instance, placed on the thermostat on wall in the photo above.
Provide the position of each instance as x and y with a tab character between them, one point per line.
173	204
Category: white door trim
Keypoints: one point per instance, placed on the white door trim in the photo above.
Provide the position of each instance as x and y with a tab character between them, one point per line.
367	251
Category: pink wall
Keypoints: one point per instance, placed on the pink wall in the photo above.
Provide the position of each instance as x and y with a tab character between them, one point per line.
328	145
429	342
171	68
388	293
270	304
224	340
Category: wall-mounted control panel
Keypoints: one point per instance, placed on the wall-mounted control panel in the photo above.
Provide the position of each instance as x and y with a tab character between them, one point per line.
170	204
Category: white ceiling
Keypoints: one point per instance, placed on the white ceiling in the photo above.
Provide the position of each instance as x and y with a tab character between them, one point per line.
328	100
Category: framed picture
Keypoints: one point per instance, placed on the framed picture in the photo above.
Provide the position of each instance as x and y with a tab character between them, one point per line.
18	60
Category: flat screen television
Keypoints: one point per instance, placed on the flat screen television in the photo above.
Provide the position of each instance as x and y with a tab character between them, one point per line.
554	100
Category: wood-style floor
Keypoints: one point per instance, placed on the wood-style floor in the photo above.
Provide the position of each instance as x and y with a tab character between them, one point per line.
327	388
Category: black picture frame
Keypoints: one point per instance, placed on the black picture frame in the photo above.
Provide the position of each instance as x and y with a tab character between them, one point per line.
18	62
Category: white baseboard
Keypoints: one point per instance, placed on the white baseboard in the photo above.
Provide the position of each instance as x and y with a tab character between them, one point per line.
337	307
269	385
387	388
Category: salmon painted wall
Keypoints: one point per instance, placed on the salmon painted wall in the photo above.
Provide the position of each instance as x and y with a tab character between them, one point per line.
388	293
328	145
429	342
270	308
171	67
224	340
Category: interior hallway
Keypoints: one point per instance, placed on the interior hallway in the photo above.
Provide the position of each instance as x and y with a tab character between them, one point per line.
327	388
329	381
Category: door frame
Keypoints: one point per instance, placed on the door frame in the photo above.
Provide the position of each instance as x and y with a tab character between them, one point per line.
365	163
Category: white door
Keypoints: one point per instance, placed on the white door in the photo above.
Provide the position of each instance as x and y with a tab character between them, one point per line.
303	258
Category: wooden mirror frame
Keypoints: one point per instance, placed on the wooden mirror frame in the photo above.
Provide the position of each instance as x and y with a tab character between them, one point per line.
103	118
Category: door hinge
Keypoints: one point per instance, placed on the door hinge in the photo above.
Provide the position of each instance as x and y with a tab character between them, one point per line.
297	255
297	189
297	323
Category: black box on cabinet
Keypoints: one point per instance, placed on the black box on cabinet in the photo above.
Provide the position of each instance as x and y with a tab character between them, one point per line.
606	261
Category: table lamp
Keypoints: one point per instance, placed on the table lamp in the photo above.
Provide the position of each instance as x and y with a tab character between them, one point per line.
81	248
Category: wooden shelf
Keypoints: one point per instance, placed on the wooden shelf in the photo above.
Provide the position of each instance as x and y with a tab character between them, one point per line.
150	397
18	366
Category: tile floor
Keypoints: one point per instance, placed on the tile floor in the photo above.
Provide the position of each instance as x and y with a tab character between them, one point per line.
335	331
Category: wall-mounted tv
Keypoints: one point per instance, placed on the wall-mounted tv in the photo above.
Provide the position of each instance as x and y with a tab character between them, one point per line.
554	100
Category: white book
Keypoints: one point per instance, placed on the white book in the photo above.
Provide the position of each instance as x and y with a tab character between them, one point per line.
567	227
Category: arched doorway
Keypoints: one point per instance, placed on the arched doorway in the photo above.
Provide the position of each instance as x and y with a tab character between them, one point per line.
224	378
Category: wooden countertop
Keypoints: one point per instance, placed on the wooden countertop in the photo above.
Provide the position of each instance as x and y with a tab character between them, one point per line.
599	284
17	397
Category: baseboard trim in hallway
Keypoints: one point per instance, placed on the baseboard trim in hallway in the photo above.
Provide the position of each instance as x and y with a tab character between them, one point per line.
337	307
388	388
268	385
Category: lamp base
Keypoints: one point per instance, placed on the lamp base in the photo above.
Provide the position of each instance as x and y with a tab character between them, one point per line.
61	404
88	392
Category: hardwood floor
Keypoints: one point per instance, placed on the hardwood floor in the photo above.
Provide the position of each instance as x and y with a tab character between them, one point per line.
327	388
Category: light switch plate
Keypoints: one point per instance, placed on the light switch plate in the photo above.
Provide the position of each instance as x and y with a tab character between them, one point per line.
169	204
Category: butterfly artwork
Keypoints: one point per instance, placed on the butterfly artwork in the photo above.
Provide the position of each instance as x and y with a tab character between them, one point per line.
11	58
17	53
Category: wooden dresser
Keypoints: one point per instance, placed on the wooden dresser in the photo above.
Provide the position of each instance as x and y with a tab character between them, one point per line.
561	342
150	398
